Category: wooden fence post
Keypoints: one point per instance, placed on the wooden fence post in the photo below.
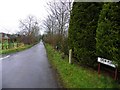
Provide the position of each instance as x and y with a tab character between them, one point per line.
98	69
70	56
115	74
2	44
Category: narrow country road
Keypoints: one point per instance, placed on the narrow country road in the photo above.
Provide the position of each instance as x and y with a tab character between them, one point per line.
28	69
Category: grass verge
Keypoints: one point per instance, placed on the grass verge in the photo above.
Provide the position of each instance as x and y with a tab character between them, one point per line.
13	50
73	76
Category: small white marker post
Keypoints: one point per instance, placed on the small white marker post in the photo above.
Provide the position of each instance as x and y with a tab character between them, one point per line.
70	56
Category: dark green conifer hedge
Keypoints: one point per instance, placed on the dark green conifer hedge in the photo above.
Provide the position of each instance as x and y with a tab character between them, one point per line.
82	31
94	31
108	33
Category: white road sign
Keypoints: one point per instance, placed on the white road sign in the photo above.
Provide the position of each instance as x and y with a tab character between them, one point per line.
105	61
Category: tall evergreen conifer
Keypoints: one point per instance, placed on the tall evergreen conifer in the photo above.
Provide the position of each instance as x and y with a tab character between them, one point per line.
82	31
108	32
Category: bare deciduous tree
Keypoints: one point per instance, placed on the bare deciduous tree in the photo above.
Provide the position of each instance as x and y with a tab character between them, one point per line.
59	15
29	28
57	22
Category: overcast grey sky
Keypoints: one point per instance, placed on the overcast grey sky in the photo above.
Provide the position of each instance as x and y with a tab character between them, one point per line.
11	11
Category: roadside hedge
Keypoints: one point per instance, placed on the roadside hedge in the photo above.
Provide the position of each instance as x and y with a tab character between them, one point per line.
82	31
107	34
94	31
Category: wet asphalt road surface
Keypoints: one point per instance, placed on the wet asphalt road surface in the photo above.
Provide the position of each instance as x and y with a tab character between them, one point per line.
28	69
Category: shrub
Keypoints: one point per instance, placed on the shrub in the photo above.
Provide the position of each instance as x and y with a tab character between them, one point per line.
107	36
82	31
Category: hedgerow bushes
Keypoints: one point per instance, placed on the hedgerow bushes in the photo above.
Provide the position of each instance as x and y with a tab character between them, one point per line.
58	41
82	31
94	31
107	35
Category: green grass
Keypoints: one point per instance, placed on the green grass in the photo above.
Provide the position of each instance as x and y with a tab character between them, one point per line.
73	76
13	50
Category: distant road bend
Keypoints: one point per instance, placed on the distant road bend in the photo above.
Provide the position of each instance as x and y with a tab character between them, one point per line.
28	69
